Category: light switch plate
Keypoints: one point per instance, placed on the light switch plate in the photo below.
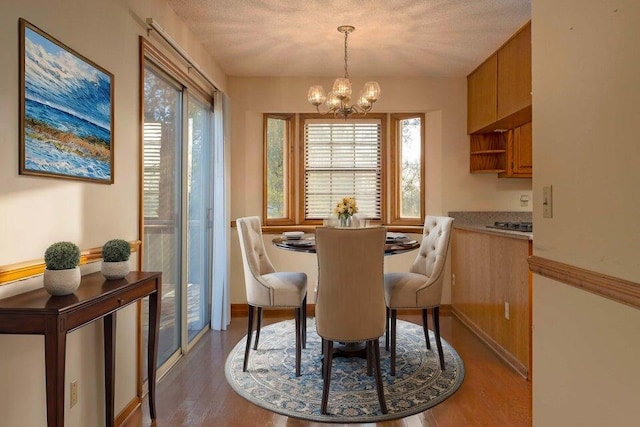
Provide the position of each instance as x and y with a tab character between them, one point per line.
547	202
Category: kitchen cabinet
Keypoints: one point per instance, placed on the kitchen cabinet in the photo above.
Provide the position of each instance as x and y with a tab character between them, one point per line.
514	73
491	292
482	92
509	154
518	154
499	90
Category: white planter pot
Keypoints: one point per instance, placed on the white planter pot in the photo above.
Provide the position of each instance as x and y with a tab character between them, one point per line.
115	270
61	282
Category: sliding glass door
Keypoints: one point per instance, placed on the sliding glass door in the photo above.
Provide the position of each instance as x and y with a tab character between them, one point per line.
200	217
177	194
162	200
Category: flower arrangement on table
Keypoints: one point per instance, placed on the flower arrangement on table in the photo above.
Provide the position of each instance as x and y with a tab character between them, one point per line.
345	209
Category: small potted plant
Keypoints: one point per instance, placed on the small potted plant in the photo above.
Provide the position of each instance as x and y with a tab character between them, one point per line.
62	275
115	259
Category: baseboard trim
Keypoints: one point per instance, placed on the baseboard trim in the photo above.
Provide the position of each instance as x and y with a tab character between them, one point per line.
510	359
242	310
619	290
128	410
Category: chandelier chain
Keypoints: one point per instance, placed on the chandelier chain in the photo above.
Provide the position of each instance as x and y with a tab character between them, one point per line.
346	58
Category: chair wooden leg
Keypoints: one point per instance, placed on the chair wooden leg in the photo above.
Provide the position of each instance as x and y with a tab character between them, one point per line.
386	332
327	377
249	334
298	339
258	326
376	356
394	314
425	327
369	358
304	322
324	356
436	325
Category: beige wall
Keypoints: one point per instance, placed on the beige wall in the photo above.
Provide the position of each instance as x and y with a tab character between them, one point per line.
586	64
450	186
35	211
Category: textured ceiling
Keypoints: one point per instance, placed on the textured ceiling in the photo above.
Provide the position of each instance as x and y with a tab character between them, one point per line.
434	38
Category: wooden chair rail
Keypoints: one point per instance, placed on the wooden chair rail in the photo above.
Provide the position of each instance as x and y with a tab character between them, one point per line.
620	290
22	270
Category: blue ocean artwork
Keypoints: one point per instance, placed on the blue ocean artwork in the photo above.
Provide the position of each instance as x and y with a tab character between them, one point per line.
67	113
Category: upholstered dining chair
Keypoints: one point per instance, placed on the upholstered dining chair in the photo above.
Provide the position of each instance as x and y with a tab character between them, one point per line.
267	288
350	300
421	286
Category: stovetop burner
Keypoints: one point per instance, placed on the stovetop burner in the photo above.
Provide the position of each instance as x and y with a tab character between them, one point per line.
513	226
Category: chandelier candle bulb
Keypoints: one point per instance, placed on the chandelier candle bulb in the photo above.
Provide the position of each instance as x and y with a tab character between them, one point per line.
316	95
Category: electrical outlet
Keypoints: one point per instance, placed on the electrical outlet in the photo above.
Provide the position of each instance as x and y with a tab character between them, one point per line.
524	200
547	202
506	310
73	393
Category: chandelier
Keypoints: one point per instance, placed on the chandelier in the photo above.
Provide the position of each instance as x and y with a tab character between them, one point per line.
337	102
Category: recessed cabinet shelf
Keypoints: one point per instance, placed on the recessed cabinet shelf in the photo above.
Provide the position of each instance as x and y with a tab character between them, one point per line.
488	153
475	153
505	153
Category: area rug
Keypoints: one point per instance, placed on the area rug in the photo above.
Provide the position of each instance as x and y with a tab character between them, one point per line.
270	380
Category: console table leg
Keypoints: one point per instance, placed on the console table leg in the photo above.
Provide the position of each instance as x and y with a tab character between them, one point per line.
152	350
55	345
109	366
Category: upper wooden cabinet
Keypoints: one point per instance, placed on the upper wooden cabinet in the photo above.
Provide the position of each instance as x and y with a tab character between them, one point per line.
482	91
499	90
514	73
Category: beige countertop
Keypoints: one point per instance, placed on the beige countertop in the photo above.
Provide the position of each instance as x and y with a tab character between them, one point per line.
482	228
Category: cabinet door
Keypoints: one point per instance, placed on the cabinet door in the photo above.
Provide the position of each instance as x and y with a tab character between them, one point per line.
482	95
514	74
519	162
522	151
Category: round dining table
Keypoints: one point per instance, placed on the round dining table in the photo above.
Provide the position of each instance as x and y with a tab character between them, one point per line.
395	244
308	244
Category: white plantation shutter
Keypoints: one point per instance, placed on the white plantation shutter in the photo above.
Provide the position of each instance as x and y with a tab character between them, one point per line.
151	172
342	159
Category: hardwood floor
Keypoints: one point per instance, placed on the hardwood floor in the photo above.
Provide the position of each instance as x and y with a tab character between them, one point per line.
195	392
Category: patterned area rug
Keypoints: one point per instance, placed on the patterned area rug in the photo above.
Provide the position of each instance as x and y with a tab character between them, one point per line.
270	380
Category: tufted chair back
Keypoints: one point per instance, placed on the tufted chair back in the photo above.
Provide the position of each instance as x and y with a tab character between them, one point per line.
433	251
255	261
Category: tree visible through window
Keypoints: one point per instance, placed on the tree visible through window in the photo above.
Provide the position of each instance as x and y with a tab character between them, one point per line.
410	130
277	143
408	169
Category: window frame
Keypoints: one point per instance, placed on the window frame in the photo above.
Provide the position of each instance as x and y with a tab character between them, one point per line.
289	180
301	194
395	217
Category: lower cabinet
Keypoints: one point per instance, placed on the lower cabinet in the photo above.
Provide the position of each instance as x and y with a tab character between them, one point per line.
491	292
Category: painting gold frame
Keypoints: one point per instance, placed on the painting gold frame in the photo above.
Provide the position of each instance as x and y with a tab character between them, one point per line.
66	111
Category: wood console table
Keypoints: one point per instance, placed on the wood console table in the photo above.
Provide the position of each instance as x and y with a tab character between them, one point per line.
38	313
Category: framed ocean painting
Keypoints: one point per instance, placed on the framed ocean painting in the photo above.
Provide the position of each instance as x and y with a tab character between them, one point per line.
66	111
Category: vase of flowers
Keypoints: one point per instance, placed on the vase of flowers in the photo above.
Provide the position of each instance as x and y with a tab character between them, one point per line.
345	210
